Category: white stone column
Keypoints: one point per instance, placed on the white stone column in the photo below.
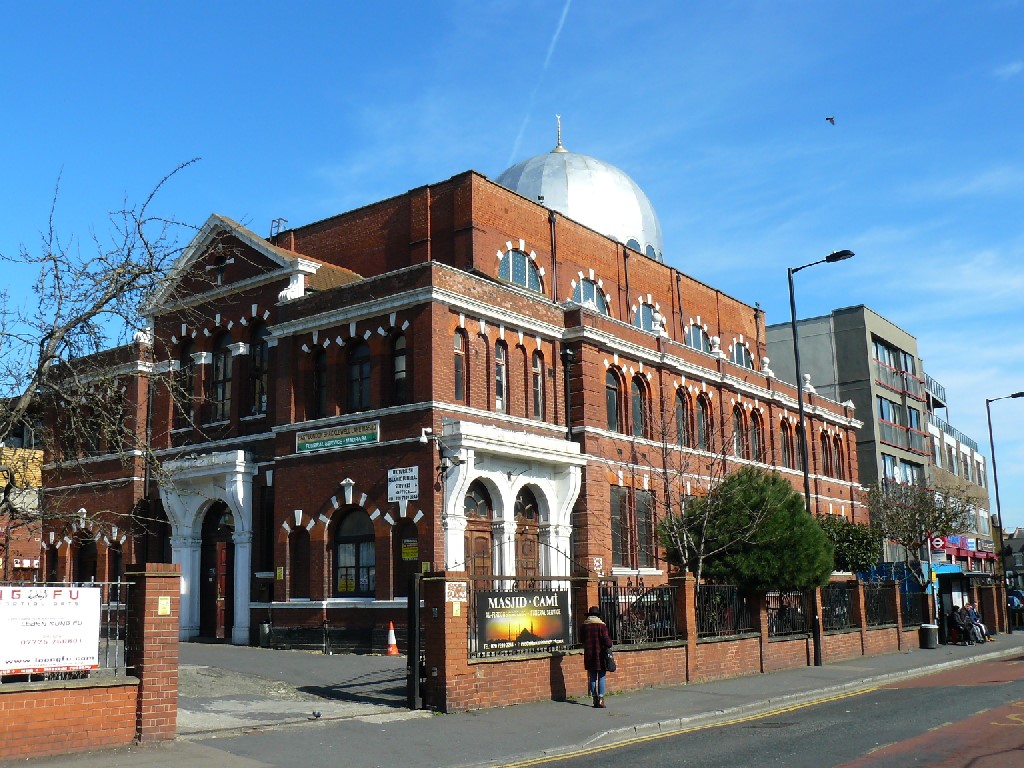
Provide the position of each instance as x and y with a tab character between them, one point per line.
185	551
242	576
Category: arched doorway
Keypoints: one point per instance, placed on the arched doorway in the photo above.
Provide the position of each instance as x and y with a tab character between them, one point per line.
217	573
527	535
479	538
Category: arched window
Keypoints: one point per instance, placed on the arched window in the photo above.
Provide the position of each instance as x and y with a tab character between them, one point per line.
697	338
684	428
632	243
85	561
740	355
826	455
613	401
589	294
538	386
644	317
479	513
837	458
259	358
500	377
756	437
184	384
639	407
359	377
220	379
318	388
738	433
399	393
786	438
517	267
459	364
298	562
704	424
355	556
527	535
650	253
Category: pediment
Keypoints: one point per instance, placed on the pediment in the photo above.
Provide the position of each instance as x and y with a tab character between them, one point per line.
224	253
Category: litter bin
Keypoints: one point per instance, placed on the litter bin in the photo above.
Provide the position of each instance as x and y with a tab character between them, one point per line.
929	636
265	629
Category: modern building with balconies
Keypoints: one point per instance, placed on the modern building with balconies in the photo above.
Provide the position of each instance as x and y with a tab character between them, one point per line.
855	354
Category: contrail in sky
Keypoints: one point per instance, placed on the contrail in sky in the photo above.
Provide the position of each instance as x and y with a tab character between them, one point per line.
540	81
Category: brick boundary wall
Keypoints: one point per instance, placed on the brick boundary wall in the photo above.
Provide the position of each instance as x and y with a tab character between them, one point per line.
64	716
456	683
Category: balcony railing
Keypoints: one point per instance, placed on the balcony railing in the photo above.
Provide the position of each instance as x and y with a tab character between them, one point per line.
919	442
888	377
936	390
913	386
893	434
953	432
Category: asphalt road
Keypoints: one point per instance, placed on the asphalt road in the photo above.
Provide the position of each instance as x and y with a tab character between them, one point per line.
968	717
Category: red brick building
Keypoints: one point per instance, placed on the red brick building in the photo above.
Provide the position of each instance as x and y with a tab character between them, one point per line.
384	392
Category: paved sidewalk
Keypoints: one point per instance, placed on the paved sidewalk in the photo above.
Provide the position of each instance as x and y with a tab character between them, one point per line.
388	735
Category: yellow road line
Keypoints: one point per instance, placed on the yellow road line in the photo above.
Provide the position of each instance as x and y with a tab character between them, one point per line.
691	729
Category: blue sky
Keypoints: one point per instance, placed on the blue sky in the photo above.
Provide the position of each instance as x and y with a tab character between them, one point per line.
717	110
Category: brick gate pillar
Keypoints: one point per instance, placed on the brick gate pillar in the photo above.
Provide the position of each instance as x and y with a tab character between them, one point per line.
152	648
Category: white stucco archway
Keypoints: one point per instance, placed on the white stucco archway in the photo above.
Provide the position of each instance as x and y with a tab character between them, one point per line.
189	488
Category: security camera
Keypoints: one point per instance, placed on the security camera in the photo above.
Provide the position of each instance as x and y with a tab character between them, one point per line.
424	435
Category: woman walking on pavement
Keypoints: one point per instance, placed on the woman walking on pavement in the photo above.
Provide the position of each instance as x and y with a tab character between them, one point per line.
596	641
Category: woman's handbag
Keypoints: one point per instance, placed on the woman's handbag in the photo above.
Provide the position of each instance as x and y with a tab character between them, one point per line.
609	660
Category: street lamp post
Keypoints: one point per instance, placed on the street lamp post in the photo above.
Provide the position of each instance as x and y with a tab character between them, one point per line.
995	480
830	259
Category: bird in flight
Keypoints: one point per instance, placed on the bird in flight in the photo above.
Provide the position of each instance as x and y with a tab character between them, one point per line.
831	120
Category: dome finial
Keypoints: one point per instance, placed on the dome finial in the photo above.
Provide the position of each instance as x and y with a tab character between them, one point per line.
558	146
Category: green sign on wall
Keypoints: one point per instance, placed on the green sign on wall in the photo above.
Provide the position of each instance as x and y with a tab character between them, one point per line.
337	437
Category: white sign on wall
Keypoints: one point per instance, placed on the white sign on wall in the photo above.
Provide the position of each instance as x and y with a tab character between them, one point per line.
403	484
48	629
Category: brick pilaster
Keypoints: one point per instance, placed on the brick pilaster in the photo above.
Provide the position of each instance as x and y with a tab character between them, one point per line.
152	651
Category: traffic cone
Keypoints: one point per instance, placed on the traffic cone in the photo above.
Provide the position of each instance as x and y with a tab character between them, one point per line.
392	641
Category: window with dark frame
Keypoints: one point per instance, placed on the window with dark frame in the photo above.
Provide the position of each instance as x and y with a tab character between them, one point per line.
359	377
318	404
538	386
756	438
259	360
500	377
399	380
612	401
220	380
684	430
632	527
639	407
459	365
184	382
704	424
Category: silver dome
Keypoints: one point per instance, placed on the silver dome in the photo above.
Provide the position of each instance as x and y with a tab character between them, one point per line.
592	192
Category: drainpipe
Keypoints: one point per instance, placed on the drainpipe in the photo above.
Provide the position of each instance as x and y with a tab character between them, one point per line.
554	257
567	359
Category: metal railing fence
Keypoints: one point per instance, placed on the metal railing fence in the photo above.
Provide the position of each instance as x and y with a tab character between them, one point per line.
836	607
879	604
636	614
722	611
914	608
789	613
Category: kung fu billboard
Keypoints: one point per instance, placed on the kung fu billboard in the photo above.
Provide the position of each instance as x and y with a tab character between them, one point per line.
520	622
48	629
